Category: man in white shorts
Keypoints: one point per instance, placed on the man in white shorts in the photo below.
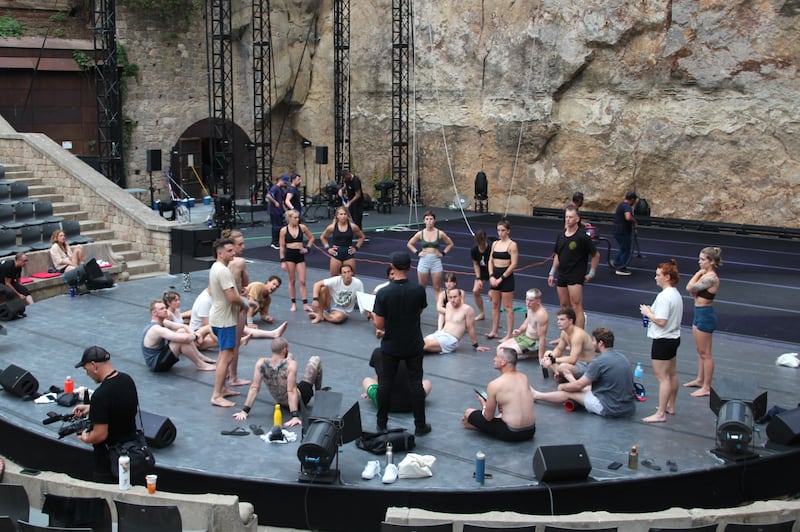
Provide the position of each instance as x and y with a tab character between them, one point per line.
458	319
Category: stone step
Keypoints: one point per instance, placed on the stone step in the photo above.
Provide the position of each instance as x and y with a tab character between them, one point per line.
141	268
93	225
12	167
121	245
52	198
129	255
25	176
98	235
37	191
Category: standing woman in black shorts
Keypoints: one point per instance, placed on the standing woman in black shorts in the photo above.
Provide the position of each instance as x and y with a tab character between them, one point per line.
341	248
502	263
480	260
293	251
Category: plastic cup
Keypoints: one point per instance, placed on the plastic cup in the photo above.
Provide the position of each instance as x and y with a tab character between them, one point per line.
151	483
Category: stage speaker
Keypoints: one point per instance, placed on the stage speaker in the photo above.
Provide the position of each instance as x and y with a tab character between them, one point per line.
785	428
159	431
153	160
18	381
741	389
561	462
322	155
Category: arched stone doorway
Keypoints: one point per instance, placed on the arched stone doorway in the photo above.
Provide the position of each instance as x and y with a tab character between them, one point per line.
191	165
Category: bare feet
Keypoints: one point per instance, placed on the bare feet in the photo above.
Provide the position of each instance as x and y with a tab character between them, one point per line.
229	393
269	319
244	340
281	329
491	335
206	367
239	382
314	317
480	317
293	308
670	411
222	402
655	418
504	338
308	308
206	359
692	384
702	392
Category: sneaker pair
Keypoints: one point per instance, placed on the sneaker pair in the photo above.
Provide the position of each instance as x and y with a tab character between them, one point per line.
623	271
274	246
371	470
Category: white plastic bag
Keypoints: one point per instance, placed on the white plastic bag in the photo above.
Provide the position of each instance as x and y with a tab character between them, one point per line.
416	466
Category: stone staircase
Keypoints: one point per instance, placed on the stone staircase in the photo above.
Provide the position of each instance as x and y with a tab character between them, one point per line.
133	264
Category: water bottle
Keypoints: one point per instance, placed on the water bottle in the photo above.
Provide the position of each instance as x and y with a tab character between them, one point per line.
210	223
638	373
645	321
71	291
277	416
69	385
480	467
389	456
187	282
633	458
124	472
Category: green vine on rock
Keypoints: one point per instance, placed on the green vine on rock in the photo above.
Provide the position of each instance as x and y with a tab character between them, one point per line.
10	27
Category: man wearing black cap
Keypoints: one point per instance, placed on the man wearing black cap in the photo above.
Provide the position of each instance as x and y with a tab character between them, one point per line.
397	311
624	226
112	410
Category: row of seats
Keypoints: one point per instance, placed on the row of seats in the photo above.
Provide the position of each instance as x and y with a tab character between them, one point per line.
37	237
785	526
25	214
83	514
14	192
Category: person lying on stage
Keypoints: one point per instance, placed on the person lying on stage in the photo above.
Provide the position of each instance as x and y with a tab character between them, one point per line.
531	336
510	395
458	319
164	341
606	389
574	339
279	373
335	297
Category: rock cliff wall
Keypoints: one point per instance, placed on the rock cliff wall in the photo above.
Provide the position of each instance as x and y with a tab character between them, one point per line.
692	103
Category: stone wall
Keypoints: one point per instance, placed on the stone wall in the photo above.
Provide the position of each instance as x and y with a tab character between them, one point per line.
693	104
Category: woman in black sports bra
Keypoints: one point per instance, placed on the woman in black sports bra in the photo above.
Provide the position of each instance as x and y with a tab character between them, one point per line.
502	263
704	286
341	248
293	251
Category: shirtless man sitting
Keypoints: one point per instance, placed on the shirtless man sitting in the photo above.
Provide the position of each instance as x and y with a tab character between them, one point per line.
458	319
532	334
579	343
279	373
510	395
163	341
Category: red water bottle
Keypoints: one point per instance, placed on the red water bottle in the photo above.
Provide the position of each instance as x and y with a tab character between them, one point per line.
69	385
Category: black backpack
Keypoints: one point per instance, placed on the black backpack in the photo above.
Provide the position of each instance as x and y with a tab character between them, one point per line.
642	208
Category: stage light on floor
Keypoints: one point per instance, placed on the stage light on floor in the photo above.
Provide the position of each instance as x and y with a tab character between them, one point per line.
735	431
318	451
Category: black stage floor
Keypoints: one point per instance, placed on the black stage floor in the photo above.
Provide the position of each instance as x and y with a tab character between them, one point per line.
50	340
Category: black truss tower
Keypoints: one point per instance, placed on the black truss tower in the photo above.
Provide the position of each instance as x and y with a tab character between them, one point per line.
107	87
401	49
262	96
218	31
341	86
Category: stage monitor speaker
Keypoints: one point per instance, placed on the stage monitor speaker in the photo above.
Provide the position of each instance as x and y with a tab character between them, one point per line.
153	160
561	462
746	390
784	428
18	381
322	155
159	431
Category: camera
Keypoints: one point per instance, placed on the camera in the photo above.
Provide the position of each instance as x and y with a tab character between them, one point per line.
72	425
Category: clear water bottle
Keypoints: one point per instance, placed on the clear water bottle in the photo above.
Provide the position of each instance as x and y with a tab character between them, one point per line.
124	472
389	457
638	373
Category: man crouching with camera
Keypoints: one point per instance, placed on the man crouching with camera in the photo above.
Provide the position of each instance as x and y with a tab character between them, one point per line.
112	410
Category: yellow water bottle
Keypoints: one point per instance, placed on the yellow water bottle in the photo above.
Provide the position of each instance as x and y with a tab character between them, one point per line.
633	458
277	417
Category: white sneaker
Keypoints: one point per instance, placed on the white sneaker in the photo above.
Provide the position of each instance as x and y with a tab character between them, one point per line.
390	475
371	470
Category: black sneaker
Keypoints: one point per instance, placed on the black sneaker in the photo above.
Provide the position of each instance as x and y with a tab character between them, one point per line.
422	430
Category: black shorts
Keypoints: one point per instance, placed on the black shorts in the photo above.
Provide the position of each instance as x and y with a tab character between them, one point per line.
294	255
507	284
499	429
166	359
664	348
306	391
564	282
10	293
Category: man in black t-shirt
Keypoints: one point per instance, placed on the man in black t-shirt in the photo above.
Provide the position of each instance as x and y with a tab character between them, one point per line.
397	311
573	251
355	198
112	410
10	287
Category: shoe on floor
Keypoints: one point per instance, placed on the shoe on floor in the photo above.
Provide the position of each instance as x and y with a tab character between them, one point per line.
623	271
371	470
422	430
390	475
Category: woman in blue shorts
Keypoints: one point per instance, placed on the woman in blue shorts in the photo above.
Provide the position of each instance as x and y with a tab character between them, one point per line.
704	286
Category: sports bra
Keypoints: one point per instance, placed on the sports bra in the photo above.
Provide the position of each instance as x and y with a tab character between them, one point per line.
291	239
429	244
342	238
501	255
706	294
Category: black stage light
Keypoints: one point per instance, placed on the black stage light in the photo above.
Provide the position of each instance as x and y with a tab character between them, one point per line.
305	143
481	186
735	431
